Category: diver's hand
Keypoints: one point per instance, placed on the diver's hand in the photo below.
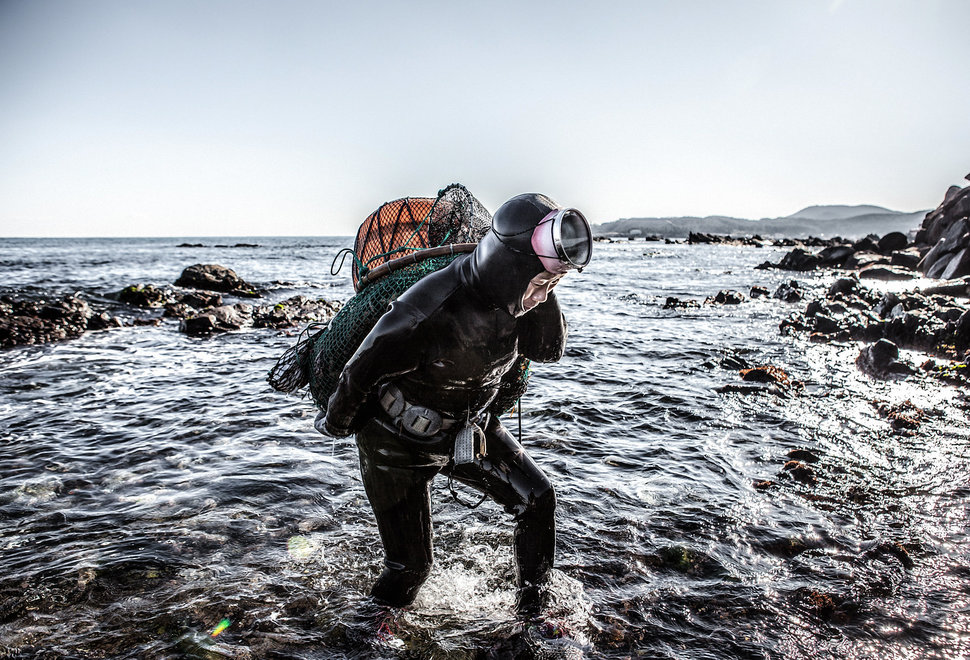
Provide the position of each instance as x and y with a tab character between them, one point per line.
321	424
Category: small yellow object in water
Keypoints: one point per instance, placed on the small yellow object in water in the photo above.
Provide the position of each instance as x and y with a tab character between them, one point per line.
299	547
222	626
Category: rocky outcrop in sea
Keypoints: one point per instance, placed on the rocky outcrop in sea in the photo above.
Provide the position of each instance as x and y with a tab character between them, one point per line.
946	233
195	300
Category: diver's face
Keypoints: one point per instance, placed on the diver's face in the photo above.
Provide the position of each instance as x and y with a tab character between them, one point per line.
538	290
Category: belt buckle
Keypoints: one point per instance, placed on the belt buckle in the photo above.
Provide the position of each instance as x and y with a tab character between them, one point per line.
422	422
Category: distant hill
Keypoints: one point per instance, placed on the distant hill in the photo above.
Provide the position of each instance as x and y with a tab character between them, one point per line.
823	221
839	212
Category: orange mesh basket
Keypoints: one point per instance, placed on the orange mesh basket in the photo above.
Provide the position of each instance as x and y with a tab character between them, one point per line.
392	231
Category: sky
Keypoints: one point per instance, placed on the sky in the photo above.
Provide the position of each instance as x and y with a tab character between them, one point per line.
241	118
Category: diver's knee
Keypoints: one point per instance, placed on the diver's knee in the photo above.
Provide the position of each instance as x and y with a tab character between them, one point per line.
545	499
540	501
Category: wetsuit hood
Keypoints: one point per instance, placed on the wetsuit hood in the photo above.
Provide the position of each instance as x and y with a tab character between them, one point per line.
504	261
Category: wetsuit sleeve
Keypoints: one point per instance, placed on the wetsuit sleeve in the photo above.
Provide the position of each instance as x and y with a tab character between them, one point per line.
387	351
542	331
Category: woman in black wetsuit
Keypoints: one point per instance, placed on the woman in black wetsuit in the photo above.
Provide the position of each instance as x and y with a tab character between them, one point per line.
417	390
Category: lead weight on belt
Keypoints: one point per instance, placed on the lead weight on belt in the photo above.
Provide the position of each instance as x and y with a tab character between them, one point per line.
465	445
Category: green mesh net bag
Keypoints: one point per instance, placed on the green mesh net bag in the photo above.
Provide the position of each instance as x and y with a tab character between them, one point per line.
396	246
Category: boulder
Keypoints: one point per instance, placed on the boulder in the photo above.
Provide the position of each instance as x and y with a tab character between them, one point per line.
800	472
836	255
789	292
298	310
844	286
294	311
146	296
212	277
881	360
677	303
891	242
825	324
886	304
946	232
958	265
203	324
908	258
799	259
25	322
725	297
885	273
765	374
867	244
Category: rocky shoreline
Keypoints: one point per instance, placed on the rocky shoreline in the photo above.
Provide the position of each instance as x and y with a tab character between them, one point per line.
933	320
195	300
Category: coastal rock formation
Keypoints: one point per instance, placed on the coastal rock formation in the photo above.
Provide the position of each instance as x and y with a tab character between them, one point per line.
881	360
25	322
925	321
289	313
213	277
941	249
946	232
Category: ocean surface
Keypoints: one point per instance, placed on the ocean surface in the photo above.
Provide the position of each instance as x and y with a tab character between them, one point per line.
159	500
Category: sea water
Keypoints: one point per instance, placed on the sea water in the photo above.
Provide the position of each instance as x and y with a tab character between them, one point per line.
159	500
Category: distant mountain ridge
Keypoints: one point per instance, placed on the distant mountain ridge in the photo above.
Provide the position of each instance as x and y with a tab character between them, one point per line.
823	221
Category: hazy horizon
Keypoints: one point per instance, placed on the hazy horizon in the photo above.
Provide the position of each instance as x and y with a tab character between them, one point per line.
300	118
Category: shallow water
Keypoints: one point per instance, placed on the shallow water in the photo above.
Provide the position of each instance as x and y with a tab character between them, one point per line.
152	485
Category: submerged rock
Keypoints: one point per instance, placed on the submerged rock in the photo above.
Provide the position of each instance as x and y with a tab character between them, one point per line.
800	472
677	303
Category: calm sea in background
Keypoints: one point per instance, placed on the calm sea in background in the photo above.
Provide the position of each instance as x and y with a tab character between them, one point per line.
159	500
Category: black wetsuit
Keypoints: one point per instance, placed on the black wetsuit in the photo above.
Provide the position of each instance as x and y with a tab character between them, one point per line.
446	344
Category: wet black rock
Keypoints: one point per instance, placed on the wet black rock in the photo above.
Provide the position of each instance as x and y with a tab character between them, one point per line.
892	242
844	286
800	472
26	322
294	311
677	303
836	255
176	303
202	324
799	259
889	302
881	360
945	231
146	296
803	455
289	313
725	297
213	277
789	292
758	292
885	273
867	244
908	258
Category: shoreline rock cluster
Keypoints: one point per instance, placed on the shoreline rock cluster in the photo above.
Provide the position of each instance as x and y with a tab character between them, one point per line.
195	300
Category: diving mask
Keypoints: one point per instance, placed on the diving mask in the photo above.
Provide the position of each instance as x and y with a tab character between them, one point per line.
563	240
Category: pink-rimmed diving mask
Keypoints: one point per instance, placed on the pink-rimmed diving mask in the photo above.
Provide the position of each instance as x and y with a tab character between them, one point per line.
563	241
